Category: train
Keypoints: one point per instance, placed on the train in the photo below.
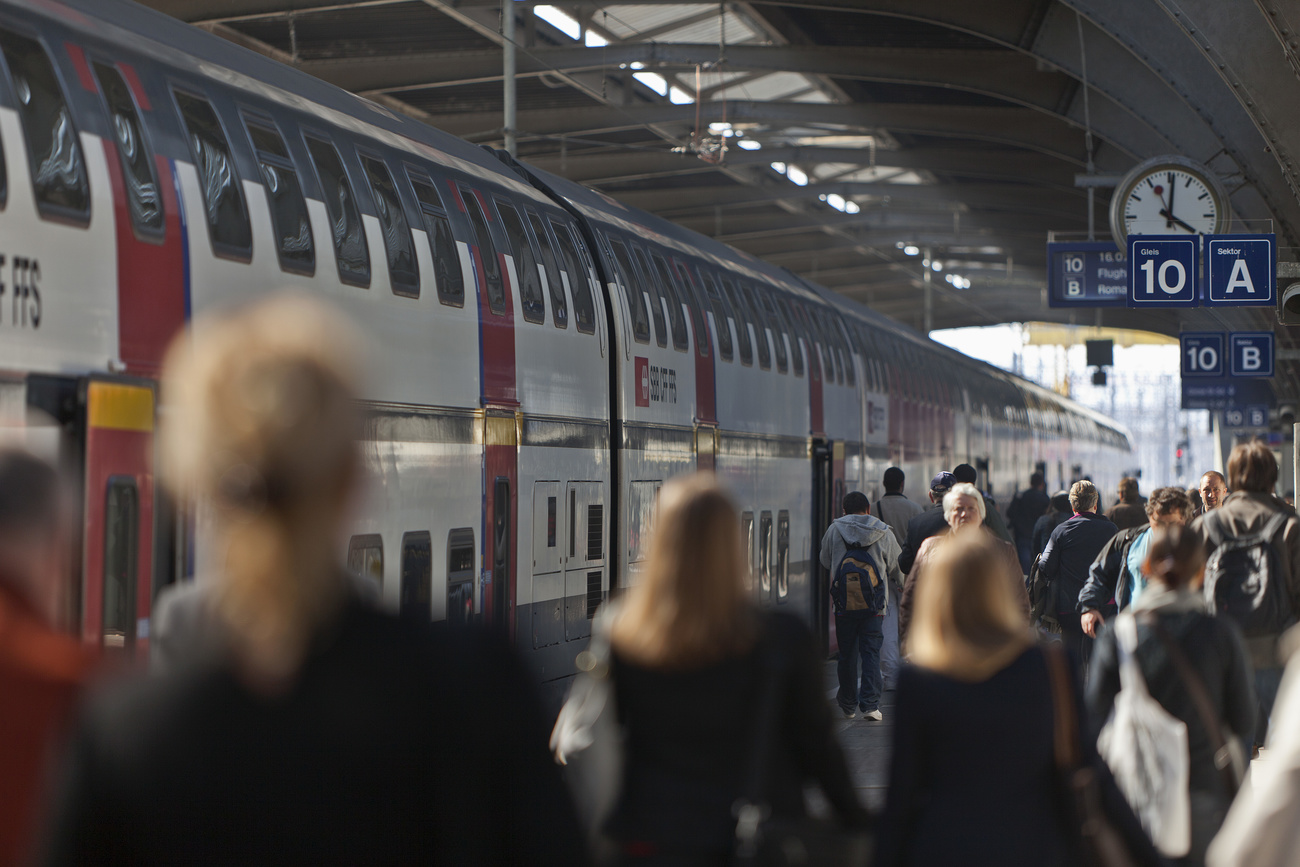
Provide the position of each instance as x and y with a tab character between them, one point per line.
543	356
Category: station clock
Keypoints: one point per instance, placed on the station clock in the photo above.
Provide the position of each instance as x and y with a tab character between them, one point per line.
1168	195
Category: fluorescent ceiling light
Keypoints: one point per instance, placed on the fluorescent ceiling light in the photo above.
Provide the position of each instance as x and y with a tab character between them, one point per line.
594	39
749	144
680	97
654	81
797	176
560	20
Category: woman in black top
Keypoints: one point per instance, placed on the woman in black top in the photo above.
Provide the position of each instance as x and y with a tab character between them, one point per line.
973	775
692	660
317	731
1213	649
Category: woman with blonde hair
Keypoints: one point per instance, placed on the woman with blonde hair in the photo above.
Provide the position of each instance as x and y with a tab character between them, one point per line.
317	730
974	776
693	659
964	511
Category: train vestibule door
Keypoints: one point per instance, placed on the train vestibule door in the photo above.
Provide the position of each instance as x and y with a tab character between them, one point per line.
117	573
823	512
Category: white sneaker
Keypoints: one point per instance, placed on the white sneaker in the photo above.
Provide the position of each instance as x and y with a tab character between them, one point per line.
873	715
848	714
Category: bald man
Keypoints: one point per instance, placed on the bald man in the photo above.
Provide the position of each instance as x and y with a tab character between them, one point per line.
1214	488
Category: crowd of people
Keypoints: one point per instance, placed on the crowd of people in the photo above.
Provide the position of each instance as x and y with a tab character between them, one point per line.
289	720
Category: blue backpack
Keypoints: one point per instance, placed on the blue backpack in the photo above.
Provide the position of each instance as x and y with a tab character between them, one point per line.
859	583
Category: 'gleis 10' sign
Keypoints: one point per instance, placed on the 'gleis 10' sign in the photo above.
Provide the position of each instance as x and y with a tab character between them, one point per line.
1167	270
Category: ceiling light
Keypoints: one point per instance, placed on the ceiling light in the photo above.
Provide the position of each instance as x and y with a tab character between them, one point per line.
652	80
749	144
779	168
594	39
912	250
797	175
937	266
679	96
560	20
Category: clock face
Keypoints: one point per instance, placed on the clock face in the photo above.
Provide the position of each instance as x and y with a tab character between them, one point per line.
1169	195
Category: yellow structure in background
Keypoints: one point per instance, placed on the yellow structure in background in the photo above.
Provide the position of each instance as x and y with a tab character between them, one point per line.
1055	334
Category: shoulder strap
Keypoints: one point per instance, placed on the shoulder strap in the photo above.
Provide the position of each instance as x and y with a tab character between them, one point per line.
1200	698
1065	722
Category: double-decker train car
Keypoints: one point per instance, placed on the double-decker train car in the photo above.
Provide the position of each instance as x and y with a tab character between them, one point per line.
543	357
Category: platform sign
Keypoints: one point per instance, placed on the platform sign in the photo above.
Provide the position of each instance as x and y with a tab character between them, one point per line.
1224	393
1255	415
1163	271
1251	353
1202	353
1086	274
1241	270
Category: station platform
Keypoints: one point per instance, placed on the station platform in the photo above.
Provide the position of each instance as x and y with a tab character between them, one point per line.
866	745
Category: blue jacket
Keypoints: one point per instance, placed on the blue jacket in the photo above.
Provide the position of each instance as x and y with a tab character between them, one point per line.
1069	552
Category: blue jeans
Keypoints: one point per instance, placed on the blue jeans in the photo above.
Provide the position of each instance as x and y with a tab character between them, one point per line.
889	661
1267	680
861	631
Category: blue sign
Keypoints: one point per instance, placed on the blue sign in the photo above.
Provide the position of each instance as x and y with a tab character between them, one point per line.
1086	274
1255	415
1252	353
1242	270
1202	353
1163	271
1222	394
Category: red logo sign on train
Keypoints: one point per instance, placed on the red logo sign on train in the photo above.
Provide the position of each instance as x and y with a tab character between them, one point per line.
642	381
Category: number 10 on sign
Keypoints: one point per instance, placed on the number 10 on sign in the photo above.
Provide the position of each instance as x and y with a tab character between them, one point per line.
1202	353
1162	271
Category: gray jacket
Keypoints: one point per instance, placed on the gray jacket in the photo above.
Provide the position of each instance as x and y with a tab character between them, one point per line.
864	531
896	510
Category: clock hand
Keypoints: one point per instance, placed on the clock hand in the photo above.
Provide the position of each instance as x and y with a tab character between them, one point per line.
1170	214
1171	219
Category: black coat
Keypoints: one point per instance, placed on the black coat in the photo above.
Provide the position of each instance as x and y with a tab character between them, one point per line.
1070	551
397	744
1043	528
1025	510
973	779
921	527
690	736
1110	586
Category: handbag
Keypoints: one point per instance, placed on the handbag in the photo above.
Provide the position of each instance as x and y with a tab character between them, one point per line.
763	840
1229	757
588	738
1101	844
1146	748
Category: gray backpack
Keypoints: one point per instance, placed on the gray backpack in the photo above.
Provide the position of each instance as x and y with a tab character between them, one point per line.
1246	577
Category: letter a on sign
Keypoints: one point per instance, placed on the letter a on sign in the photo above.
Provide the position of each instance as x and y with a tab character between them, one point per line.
1240	278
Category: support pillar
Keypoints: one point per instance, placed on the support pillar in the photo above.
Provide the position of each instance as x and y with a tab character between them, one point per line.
509	110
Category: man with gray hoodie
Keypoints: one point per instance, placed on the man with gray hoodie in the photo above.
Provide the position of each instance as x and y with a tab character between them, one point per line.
860	632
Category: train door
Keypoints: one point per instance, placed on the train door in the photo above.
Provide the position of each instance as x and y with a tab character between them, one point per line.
500	507
549	550
117	570
824	483
584	573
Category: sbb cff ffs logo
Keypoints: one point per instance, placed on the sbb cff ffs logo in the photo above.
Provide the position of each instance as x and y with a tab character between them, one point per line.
654	384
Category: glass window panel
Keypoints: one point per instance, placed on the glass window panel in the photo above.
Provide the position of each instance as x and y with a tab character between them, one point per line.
222	198
284	194
526	269
569	245
416	596
487	252
742	322
687	289
632	291
403	270
121	540
349	235
774	323
447	272
554	282
760	326
675	313
642	266
144	199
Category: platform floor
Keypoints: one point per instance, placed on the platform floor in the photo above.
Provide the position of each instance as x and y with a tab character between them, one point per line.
866	745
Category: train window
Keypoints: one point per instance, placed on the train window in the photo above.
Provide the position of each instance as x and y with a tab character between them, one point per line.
846	343
765	555
721	319
778	332
595	531
747	539
742	323
403	270
632	290
416	598
53	149
350	251
530	279
143	197
447	274
817	323
795	326
366	558
584	308
487	253
687	289
588	304
559	304
782	555
760	329
668	288
642	266
284	194
121	539
460	576
223	201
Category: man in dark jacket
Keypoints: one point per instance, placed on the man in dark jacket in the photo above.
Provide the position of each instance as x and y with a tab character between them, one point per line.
928	523
992	517
1057	513
1064	562
1128	512
1026	508
1252	475
1117	571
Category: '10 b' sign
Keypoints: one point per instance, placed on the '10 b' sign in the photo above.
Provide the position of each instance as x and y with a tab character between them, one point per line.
1248	354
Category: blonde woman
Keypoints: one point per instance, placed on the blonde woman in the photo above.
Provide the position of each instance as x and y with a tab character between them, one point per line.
964	512
320	731
973	777
692	658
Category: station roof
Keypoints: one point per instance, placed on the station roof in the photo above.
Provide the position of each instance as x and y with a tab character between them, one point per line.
844	138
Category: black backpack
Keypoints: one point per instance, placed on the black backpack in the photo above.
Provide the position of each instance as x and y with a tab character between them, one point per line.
1246	579
859	583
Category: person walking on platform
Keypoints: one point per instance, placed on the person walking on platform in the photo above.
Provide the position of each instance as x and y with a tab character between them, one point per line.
964	509
1026	508
1129	511
980	753
1115	577
930	522
895	510
1064	563
1193	663
319	731
1058	511
1255	578
992	517
861	553
699	675
1214	490
41	669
